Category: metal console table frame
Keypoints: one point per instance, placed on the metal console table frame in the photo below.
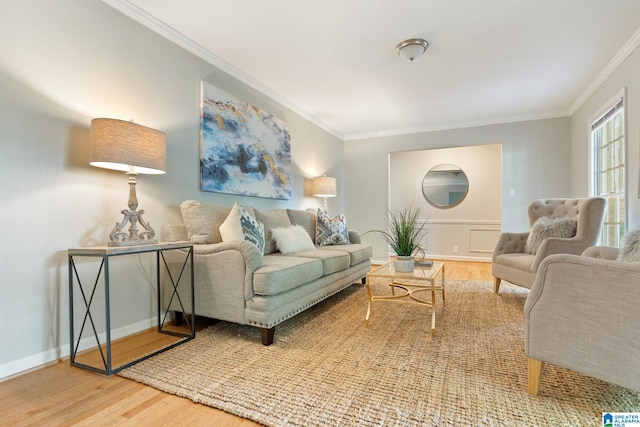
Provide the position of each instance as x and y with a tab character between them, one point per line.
106	252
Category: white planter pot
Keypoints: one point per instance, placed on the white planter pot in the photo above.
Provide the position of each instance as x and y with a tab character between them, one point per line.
404	264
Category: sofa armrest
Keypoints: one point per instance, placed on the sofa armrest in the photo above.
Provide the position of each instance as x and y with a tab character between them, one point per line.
354	236
582	314
558	245
571	279
250	252
220	262
602	252
509	243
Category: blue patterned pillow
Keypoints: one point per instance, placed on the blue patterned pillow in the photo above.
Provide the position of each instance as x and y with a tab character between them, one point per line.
241	225
331	231
252	229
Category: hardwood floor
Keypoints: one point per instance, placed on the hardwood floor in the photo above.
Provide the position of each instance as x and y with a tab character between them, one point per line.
468	270
64	395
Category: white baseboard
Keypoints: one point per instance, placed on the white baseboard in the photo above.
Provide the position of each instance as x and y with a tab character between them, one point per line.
10	369
34	361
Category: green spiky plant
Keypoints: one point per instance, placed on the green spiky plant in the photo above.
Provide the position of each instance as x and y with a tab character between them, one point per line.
405	232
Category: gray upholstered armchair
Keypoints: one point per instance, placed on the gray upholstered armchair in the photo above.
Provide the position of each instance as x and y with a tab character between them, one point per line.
582	314
512	263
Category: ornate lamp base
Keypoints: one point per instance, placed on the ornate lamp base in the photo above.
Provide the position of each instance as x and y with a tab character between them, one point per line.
134	237
132	216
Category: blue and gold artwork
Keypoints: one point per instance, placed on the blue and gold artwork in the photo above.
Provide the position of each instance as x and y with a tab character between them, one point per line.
244	150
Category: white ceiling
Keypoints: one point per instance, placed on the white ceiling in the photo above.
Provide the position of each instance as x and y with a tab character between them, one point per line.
489	61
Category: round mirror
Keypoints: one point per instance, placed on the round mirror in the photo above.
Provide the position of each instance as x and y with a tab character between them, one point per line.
445	185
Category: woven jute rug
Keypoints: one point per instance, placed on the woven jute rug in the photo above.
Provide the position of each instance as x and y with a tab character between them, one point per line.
326	369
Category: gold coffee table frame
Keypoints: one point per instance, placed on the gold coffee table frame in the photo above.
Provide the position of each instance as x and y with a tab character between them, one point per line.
407	284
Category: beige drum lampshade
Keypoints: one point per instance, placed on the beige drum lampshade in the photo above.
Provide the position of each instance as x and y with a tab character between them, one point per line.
120	145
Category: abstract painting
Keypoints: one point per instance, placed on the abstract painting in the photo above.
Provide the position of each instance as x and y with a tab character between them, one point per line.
244	150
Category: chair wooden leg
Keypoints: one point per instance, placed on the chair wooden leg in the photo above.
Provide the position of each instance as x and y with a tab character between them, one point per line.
535	368
496	284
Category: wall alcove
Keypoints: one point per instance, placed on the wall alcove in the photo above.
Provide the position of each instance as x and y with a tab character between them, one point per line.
459	193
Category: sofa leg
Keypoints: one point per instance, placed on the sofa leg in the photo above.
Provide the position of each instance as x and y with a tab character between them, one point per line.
535	368
496	284
267	335
177	318
364	280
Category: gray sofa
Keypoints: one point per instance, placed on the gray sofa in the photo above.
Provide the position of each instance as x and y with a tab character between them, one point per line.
236	283
582	314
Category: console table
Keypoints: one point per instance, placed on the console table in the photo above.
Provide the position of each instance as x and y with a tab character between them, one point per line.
175	275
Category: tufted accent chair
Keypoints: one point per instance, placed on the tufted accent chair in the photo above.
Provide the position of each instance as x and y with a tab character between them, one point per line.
511	263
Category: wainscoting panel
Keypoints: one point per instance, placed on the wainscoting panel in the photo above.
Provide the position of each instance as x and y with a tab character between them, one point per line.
472	240
483	240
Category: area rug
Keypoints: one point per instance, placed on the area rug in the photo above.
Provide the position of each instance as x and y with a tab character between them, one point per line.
326	369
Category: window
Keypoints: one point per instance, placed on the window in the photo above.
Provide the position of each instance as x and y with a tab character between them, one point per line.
608	166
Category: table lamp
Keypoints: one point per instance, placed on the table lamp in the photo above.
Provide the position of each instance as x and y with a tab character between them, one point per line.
324	186
134	149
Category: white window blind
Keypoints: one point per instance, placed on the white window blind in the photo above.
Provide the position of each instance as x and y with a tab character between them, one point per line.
608	144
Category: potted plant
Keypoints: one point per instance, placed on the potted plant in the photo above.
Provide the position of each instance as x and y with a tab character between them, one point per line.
405	234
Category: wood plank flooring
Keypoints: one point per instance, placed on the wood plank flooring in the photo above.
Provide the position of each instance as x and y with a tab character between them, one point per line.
64	395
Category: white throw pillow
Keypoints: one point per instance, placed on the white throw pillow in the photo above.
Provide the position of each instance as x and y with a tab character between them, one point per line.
331	231
240	225
630	251
546	227
292	239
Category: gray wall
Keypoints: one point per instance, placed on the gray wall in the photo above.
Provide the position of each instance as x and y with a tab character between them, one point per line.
62	64
536	163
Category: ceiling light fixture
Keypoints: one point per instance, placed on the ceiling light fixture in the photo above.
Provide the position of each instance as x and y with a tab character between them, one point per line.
412	48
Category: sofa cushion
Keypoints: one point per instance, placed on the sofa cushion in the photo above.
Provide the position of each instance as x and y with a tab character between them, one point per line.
332	260
292	239
272	219
240	225
519	261
307	219
280	273
331	231
358	252
546	227
630	250
202	221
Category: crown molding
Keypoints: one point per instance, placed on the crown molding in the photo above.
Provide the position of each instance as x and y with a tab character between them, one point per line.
606	72
139	15
453	126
